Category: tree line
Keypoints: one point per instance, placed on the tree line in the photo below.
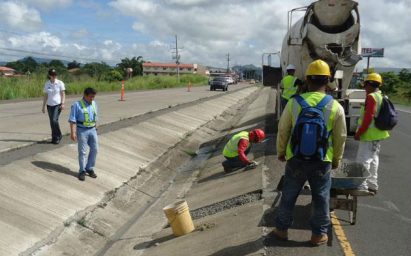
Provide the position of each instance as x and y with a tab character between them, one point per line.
101	71
398	85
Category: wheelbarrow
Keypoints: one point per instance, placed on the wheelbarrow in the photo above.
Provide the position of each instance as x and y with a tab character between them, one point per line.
344	188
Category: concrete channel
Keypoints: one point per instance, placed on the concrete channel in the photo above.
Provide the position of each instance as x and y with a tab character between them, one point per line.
42	202
146	165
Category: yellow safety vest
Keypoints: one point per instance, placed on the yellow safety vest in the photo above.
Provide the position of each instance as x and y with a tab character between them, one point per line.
289	88
231	148
330	110
87	122
373	133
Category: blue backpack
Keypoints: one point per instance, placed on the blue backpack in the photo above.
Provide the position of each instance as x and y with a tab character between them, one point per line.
309	140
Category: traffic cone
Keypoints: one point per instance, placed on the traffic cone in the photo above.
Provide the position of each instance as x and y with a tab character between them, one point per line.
122	96
189	87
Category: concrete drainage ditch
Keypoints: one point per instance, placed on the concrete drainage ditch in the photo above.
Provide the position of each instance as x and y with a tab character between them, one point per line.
138	202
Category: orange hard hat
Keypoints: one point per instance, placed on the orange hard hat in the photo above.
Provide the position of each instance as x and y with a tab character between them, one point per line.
257	135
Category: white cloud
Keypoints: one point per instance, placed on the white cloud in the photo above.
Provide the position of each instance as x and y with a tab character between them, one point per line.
136	7
246	29
79	47
385	24
80	34
19	16
43	44
207	29
139	27
42	40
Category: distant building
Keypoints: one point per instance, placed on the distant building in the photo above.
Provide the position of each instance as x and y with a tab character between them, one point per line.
156	68
5	71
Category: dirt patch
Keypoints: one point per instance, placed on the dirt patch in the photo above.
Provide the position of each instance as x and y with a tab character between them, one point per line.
205	226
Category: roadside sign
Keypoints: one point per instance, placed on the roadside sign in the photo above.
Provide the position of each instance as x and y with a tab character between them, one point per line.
372	52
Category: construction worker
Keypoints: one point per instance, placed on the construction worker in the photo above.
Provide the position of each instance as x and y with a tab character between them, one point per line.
288	86
316	167
368	134
82	119
237	148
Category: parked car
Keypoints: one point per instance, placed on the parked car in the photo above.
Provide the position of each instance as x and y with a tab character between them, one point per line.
219	83
229	79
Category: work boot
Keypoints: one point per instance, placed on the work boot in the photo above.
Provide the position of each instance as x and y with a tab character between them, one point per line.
373	192
91	173
227	168
82	176
318	239
281	235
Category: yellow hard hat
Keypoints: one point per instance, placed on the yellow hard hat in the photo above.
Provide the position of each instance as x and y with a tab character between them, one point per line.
318	68
374	77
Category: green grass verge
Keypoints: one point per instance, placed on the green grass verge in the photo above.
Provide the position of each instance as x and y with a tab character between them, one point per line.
400	100
32	87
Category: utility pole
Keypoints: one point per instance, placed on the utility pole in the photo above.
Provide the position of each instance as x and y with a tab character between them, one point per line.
177	58
228	63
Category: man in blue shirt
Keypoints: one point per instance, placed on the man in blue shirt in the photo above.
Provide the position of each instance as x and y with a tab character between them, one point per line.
83	117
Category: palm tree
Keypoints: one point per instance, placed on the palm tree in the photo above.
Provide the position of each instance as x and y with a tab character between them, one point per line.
136	63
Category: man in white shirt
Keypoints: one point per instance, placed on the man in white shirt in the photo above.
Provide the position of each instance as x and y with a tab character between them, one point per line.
54	96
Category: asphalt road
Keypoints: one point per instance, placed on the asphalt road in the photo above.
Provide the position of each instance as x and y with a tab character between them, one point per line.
384	221
22	123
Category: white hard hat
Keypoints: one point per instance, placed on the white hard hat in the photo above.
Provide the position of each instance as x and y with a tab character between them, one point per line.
291	67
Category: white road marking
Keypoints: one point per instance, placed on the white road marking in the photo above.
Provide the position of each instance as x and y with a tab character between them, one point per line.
402	110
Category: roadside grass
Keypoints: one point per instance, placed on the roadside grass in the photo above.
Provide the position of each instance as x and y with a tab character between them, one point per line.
400	100
32	86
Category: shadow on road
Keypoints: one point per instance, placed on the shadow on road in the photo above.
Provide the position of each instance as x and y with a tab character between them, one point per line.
155	242
243	249
51	167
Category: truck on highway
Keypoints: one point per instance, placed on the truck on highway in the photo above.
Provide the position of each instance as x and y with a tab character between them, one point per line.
329	30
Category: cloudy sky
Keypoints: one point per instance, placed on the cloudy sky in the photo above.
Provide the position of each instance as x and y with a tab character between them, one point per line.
109	30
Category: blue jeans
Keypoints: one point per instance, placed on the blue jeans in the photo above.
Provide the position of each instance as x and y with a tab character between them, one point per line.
87	137
54	113
318	175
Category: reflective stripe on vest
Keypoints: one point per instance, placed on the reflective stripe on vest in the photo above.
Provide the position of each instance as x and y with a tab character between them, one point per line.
87	122
330	110
289	86
373	133
231	148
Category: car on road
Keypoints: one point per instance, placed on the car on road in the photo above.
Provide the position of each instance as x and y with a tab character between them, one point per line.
219	83
229	79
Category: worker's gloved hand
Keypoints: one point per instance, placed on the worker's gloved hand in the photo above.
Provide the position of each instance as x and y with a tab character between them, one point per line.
335	165
281	158
252	165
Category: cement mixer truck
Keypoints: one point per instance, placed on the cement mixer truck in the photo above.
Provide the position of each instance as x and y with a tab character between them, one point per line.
329	30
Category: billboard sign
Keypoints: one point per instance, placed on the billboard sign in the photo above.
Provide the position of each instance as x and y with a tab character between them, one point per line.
372	52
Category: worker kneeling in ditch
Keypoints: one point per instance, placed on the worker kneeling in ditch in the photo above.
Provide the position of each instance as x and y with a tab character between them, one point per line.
237	148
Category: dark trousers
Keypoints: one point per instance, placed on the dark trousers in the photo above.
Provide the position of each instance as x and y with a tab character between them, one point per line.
318	174
235	162
54	113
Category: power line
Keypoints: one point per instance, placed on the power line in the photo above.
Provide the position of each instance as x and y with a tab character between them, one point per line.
47	55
